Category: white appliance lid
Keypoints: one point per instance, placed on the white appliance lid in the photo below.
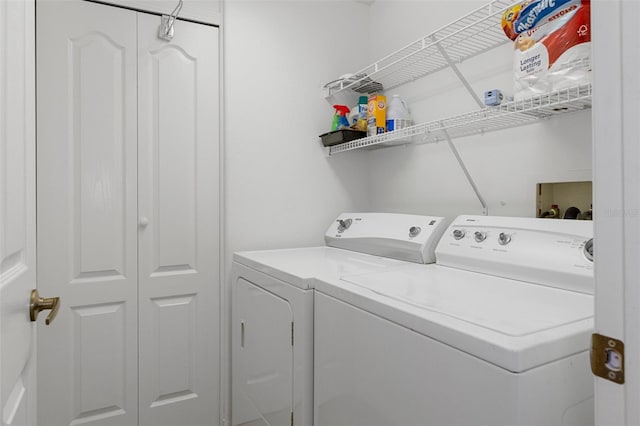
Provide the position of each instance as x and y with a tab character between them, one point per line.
299	266
500	305
512	324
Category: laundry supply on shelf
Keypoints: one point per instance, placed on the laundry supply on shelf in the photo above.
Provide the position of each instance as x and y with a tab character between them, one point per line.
376	115
552	44
493	97
363	107
353	115
398	116
358	115
340	120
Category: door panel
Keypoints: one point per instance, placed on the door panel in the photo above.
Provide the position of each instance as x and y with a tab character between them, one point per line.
17	213
97	149
175	353
98	334
173	78
87	212
262	357
179	237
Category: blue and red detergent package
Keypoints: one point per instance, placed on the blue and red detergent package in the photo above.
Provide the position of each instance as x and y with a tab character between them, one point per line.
552	40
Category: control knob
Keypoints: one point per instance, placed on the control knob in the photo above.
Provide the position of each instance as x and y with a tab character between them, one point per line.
480	236
504	239
588	250
343	225
458	234
414	231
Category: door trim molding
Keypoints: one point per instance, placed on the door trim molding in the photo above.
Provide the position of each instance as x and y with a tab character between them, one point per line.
151	12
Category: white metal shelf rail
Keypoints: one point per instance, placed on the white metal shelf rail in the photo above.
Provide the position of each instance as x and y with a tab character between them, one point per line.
510	114
471	35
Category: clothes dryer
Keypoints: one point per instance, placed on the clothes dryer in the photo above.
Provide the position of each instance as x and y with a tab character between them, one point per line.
497	332
272	307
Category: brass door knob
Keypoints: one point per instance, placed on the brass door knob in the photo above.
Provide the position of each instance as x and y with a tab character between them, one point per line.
40	304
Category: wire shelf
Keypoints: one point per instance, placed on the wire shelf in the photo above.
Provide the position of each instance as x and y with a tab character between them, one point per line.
510	114
471	35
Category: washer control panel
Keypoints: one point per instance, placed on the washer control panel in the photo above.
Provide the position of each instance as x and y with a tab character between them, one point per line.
556	253
398	236
480	236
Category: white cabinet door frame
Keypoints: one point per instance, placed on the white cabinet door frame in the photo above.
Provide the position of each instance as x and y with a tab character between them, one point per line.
199	11
17	213
616	156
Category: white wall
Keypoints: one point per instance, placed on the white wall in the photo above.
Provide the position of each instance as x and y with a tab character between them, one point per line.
506	165
281	190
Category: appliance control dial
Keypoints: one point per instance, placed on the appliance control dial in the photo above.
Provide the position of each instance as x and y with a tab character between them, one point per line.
504	239
458	234
344	225
414	231
588	250
480	236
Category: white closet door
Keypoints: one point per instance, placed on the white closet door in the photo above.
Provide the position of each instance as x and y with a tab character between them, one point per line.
17	213
179	224
87	205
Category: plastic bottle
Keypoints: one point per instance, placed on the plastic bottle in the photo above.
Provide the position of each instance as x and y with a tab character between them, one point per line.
397	114
340	119
362	107
334	123
353	115
358	115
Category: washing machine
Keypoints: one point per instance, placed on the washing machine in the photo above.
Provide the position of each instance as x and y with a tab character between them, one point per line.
496	332
273	302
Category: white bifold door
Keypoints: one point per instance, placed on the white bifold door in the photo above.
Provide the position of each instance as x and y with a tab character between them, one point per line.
128	217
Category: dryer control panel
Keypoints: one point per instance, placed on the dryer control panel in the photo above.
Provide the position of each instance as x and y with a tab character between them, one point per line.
399	236
557	253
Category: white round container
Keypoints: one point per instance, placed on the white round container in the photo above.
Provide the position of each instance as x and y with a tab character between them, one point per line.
398	116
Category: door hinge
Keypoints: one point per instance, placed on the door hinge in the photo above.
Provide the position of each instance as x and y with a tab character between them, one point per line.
292	335
607	358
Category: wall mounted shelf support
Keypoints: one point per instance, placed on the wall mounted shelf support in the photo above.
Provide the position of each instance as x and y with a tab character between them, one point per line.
454	150
455	69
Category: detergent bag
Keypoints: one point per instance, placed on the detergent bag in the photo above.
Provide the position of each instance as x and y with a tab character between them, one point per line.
552	40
